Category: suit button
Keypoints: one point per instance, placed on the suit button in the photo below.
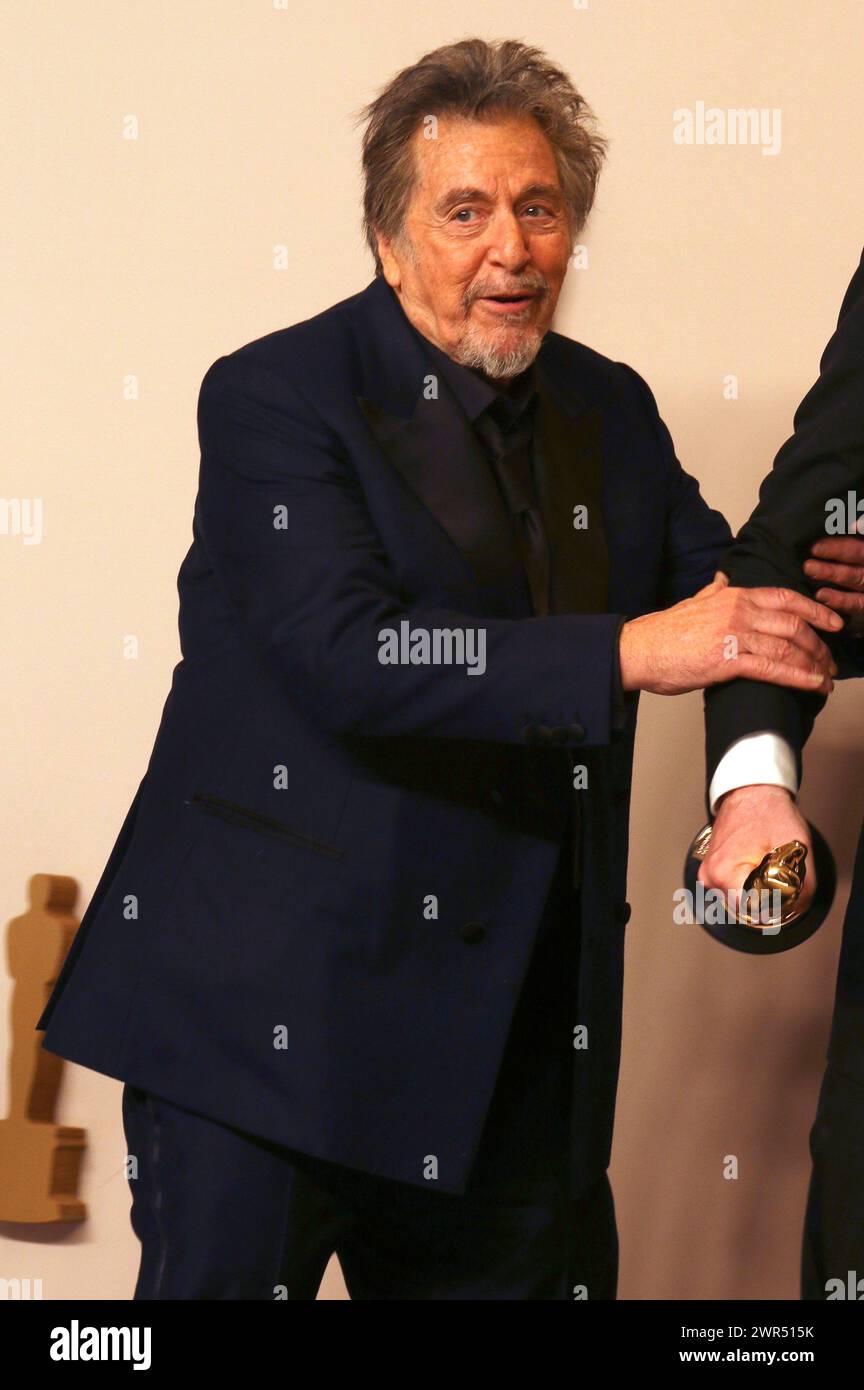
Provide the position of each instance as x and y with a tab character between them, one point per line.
496	798
577	731
545	734
530	733
622	913
472	933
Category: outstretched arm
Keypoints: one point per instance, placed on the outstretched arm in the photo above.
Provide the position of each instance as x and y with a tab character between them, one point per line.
820	464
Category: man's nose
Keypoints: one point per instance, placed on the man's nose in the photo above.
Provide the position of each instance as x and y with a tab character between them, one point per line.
508	243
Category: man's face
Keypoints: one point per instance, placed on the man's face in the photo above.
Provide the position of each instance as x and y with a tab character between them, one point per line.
486	219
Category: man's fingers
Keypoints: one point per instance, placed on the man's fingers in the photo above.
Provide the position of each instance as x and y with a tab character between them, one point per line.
788	601
844	576
848	549
792	629
788	653
842	601
712	588
762	668
728	879
725	873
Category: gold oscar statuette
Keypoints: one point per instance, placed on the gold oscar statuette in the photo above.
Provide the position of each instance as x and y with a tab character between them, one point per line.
755	925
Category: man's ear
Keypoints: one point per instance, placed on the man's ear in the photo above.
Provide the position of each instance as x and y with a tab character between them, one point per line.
389	263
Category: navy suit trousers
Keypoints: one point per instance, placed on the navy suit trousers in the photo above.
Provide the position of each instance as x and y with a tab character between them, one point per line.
224	1214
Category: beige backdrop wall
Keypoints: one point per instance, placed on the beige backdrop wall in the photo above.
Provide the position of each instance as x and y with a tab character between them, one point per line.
148	257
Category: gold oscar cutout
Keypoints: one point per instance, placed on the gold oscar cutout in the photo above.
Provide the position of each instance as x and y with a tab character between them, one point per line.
39	1160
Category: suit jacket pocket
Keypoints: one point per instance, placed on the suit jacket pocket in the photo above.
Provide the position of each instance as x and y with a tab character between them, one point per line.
260	825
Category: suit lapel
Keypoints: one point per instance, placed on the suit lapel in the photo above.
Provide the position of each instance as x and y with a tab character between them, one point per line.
430	443
437	455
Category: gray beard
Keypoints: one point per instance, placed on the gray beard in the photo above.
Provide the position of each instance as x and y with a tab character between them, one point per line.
473	351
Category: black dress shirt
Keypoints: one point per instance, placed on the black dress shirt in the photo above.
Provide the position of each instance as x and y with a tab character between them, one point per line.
494	412
513	409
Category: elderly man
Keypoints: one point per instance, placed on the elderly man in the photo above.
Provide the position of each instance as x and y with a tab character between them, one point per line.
357	952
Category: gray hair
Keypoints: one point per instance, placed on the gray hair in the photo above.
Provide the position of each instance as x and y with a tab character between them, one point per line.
479	81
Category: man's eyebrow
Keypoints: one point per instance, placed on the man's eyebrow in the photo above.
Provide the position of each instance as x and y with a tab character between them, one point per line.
541	190
472	195
460	195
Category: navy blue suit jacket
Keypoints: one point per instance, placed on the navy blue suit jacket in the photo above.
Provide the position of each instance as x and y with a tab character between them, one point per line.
260	946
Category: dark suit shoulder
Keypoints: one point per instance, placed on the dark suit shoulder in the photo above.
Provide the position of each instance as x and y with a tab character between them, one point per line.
600	377
297	356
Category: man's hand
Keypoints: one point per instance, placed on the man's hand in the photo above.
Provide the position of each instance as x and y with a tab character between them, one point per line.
750	822
840	560
724	632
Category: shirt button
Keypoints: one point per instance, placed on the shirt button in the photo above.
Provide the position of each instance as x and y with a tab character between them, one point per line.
472	933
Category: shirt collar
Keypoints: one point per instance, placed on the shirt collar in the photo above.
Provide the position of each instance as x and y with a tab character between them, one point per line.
472	390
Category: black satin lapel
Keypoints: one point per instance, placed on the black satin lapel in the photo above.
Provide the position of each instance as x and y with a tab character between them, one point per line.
569	473
440	459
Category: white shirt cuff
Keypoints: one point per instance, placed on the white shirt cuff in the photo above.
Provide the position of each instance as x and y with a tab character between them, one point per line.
754	758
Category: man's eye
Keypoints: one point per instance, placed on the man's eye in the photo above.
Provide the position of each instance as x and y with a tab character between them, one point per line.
465	212
539	209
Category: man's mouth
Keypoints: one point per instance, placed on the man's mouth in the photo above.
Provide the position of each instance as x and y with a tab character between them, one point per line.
503	302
